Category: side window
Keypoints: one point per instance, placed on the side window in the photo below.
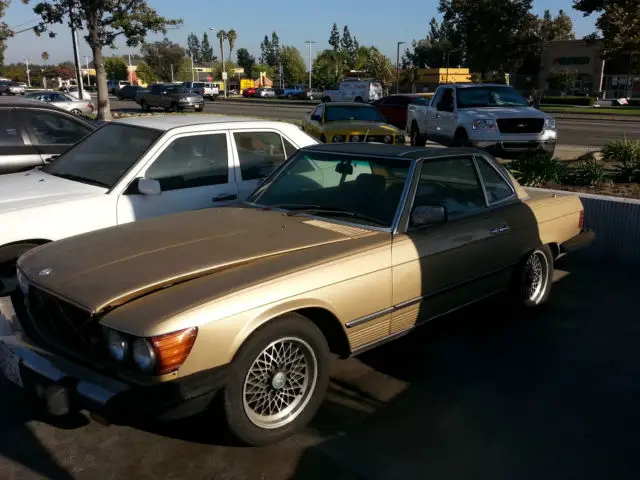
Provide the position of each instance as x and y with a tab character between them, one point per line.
452	183
259	153
496	186
319	111
56	97
50	128
194	161
9	129
446	102
437	97
289	149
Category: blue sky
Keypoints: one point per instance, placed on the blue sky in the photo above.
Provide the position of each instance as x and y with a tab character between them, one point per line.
382	24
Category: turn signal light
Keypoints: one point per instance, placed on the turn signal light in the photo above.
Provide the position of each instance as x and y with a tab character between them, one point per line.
173	349
581	221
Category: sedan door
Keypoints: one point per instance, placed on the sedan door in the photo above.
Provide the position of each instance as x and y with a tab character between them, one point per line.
17	153
193	172
439	268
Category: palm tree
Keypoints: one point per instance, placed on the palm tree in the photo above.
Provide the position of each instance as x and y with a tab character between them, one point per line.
231	38
45	56
222	35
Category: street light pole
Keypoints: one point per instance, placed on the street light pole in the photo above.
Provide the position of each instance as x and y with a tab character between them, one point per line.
398	66
224	70
28	72
86	60
76	55
309	42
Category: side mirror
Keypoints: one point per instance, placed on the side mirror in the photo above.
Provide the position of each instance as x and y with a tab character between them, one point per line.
149	186
424	215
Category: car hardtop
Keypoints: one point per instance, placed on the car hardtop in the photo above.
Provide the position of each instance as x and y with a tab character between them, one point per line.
474	85
399	152
21	102
170	122
348	104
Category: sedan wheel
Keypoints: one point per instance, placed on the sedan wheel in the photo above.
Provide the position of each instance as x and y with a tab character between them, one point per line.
75	111
534	278
278	381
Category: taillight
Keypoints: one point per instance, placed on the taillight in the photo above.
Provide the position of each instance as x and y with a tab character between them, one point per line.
581	221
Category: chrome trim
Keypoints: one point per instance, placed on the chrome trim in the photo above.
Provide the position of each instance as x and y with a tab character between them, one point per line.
404	197
380	313
33	283
492	164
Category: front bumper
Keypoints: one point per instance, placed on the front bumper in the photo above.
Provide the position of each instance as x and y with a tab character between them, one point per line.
66	387
513	148
189	105
585	238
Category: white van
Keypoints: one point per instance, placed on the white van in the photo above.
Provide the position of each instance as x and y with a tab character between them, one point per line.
355	90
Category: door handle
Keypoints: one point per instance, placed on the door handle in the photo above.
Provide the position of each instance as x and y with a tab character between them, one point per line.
500	229
224	198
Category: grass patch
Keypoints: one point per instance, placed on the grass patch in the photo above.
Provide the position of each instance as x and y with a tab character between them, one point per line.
622	111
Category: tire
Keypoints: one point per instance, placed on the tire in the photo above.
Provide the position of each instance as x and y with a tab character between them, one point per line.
461	138
289	97
537	263
358	99
76	112
8	257
323	138
326	100
145	106
242	410
174	108
416	139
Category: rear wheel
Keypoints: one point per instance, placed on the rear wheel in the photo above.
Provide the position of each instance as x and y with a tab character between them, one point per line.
461	138
534	277
75	111
145	106
278	380
417	140
358	99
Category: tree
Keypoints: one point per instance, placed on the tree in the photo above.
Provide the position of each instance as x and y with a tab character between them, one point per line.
232	36
116	68
350	47
293	67
275	49
145	73
206	50
162	57
270	50
217	69
483	27
194	49
334	41
435	50
264	68
44	56
5	32
619	22
104	21
558	28
563	80
183	72
246	61
380	67
65	70
222	36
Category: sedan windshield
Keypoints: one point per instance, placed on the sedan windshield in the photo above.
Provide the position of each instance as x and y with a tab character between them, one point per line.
355	189
489	96
104	156
356	112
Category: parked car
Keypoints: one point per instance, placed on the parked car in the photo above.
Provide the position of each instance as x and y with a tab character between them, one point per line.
74	92
204	89
395	107
289	92
343	248
264	92
8	87
31	132
490	116
249	92
309	94
171	97
64	101
114	85
136	168
350	122
140	93
128	92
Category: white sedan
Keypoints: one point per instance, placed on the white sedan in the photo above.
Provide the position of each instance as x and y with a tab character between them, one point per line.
73	91
137	168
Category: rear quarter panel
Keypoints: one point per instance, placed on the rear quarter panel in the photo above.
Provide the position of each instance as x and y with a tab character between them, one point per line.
558	215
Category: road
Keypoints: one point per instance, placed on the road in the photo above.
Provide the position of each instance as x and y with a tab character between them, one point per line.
481	394
585	132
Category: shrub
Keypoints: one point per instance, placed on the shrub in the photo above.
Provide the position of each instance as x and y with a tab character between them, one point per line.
626	154
575	101
592	172
538	169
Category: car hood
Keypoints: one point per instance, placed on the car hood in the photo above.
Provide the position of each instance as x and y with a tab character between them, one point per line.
35	188
107	268
354	126
503	112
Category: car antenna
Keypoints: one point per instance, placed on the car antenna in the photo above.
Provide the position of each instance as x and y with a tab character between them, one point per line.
366	135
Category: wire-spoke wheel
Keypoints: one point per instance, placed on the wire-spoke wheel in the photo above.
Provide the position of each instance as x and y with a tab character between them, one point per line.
279	383
278	380
536	277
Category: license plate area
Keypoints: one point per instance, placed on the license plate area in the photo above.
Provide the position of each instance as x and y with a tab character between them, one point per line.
10	365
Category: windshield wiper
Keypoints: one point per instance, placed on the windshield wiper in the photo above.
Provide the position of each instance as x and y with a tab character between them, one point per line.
79	178
326	210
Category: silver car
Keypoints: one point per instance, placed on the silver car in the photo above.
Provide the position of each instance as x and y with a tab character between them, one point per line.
65	101
7	87
265	92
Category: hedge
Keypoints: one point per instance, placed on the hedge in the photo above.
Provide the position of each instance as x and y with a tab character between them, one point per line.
582	101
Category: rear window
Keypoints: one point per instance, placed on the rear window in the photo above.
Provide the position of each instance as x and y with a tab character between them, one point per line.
198	85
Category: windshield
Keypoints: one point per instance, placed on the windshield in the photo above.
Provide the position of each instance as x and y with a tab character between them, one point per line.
362	113
489	96
105	155
350	188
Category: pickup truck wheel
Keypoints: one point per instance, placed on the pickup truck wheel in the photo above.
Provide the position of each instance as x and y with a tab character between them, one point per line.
358	99
461	138
174	108
534	277
8	257
416	139
289	96
278	381
145	106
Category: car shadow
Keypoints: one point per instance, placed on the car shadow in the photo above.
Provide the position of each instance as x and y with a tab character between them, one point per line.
550	394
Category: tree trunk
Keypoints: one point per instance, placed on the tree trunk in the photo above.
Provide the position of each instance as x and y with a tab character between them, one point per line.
104	109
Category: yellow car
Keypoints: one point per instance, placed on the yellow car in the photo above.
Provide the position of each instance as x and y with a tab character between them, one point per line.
351	122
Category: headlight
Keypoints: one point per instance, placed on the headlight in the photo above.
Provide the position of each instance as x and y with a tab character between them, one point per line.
144	356
117	345
23	283
388	139
355	138
550	123
337	139
484	124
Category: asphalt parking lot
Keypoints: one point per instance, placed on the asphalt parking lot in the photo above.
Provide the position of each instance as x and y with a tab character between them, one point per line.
477	395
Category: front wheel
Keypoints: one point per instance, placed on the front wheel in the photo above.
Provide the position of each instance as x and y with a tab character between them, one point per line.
416	139
145	106
278	381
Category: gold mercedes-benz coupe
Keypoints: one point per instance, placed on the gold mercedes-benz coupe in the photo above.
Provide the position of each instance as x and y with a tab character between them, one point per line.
342	248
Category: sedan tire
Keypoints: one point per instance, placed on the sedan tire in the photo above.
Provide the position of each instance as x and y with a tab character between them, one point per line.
76	112
534	278
278	381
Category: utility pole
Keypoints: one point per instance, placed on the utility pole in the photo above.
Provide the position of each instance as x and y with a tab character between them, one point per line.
28	72
86	60
398	67
130	70
309	42
193	73
172	80
76	56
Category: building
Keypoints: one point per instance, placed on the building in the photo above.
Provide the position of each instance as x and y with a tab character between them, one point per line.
615	78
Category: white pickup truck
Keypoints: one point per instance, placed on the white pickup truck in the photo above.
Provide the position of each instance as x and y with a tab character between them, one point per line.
493	117
137	168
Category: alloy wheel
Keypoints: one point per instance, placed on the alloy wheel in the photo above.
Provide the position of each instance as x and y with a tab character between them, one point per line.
536	276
